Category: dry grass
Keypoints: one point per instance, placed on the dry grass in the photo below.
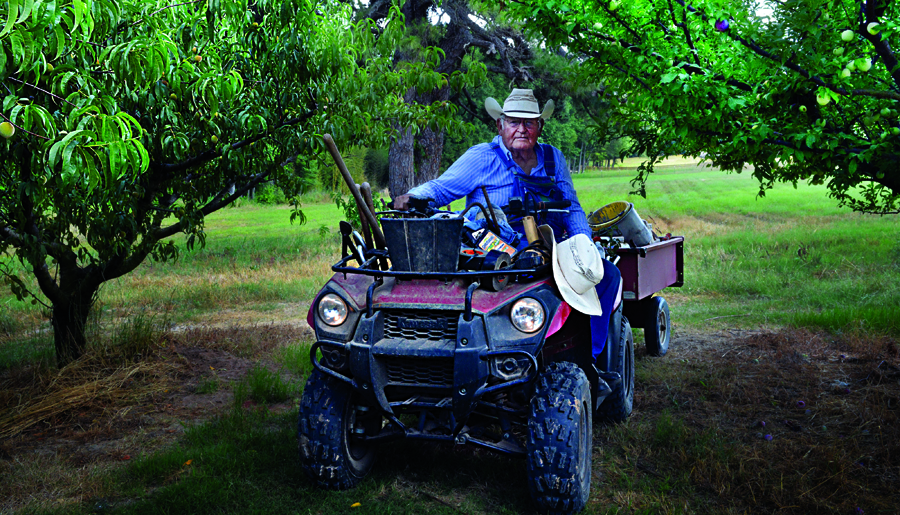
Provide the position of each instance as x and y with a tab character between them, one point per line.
64	432
78	385
49	482
101	377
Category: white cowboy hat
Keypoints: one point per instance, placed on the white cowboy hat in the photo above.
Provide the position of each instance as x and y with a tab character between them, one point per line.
519	104
577	268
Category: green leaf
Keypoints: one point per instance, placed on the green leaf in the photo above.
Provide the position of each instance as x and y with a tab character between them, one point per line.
17	41
57	42
26	11
57	147
211	19
12	10
117	161
78	7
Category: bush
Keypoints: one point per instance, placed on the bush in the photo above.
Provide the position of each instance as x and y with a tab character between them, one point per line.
270	194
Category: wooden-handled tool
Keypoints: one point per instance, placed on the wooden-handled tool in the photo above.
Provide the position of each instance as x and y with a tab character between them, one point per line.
354	190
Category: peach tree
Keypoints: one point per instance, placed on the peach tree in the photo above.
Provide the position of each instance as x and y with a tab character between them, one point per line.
126	122
801	90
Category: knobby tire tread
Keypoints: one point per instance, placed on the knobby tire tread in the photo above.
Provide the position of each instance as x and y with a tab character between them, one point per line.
554	449
323	454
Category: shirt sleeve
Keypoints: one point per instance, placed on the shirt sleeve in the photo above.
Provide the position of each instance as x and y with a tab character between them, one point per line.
463	177
576	222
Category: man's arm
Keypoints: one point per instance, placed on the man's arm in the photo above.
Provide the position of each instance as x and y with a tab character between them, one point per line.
463	177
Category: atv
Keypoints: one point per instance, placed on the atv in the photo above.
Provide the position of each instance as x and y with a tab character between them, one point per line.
435	339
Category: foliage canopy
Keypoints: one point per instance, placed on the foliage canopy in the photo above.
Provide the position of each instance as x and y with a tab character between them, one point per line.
135	119
802	90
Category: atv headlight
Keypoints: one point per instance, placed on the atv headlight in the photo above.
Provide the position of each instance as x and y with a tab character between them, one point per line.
527	315
332	309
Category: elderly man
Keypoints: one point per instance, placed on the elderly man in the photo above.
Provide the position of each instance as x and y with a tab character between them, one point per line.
512	165
515	165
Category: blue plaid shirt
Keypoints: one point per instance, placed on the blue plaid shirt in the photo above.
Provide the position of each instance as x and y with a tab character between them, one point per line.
481	166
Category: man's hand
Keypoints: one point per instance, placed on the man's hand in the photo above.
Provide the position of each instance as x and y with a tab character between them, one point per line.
401	203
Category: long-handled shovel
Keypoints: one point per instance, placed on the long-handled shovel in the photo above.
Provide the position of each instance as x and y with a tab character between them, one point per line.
367	214
354	190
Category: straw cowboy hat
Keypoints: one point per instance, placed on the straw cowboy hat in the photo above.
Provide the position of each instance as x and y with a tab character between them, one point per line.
519	104
577	268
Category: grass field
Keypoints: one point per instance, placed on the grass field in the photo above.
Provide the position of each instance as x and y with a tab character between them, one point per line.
789	315
789	258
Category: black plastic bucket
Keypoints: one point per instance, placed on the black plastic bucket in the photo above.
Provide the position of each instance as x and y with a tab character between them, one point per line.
423	244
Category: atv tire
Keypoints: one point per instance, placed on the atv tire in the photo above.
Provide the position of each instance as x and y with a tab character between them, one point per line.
619	404
330	456
560	439
658	328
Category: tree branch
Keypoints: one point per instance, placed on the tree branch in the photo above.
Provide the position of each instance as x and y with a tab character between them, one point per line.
164	8
42	90
687	35
876	40
22	128
619	68
170	170
883	49
9	235
171	230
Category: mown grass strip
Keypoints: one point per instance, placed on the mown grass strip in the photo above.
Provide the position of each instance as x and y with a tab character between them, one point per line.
789	258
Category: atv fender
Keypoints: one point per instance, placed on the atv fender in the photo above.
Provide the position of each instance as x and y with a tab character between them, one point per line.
606	359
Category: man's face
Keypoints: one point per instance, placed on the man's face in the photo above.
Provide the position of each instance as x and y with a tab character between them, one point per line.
519	133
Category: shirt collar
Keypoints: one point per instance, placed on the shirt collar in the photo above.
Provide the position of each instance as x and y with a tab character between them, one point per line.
538	149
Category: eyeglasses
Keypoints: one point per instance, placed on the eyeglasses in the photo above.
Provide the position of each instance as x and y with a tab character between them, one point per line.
528	124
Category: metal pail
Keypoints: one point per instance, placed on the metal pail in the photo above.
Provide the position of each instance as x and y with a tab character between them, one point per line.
623	216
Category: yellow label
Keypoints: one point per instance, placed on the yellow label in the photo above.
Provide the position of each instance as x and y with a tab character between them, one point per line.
490	241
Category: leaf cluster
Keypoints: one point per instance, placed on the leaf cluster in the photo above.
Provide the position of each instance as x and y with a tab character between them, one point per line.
798	90
136	119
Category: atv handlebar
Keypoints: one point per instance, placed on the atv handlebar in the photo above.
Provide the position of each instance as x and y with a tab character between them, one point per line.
528	206
517	205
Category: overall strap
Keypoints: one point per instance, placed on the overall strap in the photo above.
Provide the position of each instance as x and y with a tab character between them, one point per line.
507	162
549	160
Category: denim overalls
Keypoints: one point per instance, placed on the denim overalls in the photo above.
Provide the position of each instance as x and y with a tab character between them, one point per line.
543	189
539	189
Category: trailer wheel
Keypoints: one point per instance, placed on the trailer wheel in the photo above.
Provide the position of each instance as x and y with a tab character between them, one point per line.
658	327
560	437
329	453
619	404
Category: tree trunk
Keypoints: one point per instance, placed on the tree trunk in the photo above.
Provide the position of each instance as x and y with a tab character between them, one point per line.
428	151
77	291
413	160
400	163
72	301
582	158
69	322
